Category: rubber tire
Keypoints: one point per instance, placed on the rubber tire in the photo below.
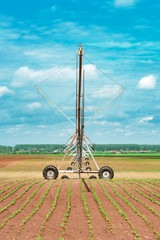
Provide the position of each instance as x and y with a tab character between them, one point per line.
106	169
64	176
87	163
50	168
72	163
69	168
92	177
88	169
86	158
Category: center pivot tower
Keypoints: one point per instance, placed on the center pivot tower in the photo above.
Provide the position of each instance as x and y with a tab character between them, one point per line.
77	147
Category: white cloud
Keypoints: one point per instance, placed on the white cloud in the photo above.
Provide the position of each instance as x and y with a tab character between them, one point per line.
147	82
129	133
34	105
24	75
5	90
31	37
145	119
42	126
155	131
120	130
124	3
12	130
38	54
106	123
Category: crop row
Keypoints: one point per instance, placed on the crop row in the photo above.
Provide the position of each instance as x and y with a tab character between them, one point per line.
103	211
14	200
89	221
67	210
140	185
13	214
26	219
148	184
134	209
4	190
142	193
6	183
155	182
50	212
12	192
116	205
137	199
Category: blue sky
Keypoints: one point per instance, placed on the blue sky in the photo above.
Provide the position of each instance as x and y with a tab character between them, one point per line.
120	36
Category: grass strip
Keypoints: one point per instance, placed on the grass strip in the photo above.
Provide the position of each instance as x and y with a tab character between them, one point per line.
22	207
103	211
14	200
89	221
137	199
67	210
24	221
119	210
51	210
134	209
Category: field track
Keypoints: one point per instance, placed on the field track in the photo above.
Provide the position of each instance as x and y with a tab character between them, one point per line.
66	209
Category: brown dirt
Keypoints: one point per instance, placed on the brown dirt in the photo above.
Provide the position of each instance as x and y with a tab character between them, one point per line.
152	219
139	224
119	224
144	199
77	227
144	190
32	227
10	229
77	221
16	194
53	225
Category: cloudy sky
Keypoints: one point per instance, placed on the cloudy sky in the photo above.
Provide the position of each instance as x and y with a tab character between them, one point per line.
121	37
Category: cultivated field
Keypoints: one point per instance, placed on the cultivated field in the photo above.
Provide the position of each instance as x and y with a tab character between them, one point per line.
31	166
122	208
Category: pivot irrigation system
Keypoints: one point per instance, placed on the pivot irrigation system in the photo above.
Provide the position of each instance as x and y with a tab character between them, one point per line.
79	147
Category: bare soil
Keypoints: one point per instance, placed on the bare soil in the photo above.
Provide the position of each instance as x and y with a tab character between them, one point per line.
77	225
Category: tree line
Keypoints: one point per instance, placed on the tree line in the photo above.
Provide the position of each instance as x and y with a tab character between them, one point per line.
50	148
6	149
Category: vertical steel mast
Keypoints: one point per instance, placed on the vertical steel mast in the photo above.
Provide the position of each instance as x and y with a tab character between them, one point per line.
79	132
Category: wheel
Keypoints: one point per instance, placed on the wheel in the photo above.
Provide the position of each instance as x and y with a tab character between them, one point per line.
87	163
50	172
69	168
88	169
106	173
92	177
64	176
86	158
72	163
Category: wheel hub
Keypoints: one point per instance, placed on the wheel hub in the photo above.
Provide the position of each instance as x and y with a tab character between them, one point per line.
106	174
50	174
